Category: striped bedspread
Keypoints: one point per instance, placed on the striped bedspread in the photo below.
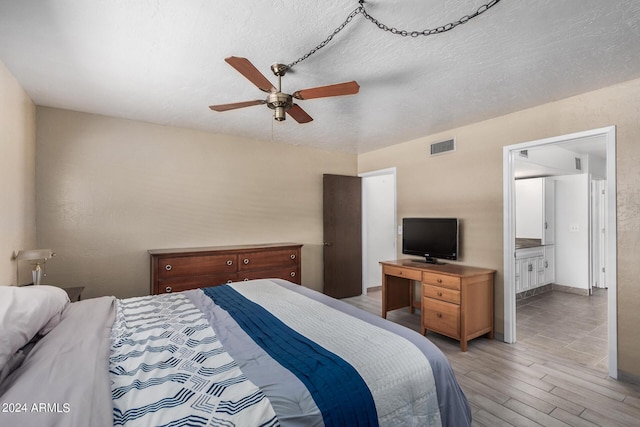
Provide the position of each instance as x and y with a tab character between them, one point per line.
260	354
168	367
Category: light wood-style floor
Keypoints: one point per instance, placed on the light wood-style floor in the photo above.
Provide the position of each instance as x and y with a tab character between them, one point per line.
567	325
524	384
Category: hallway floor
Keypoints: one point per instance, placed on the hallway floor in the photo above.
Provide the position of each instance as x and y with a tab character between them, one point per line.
567	325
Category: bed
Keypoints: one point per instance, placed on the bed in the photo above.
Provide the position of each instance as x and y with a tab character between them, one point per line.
256	353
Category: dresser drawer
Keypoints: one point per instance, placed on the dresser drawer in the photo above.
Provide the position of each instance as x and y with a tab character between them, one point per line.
402	272
267	259
443	280
441	317
440	293
291	274
202	265
186	283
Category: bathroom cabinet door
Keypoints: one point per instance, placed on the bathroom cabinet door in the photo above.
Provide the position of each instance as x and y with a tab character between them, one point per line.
549	264
535	209
548	211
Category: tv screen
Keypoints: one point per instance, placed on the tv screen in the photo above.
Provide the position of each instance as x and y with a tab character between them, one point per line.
431	238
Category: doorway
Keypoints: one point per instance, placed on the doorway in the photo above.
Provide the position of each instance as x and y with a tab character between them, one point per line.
510	155
378	224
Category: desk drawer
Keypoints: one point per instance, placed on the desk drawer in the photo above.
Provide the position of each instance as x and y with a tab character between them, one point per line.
407	273
440	293
441	317
443	280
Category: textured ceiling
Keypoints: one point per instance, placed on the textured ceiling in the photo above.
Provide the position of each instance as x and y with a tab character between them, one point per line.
162	61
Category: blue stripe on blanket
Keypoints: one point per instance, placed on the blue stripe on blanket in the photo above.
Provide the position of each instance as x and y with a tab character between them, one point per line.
338	390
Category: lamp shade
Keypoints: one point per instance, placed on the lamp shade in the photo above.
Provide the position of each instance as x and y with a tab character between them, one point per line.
33	254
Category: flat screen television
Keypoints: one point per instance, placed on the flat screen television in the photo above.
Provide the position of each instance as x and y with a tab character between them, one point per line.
431	238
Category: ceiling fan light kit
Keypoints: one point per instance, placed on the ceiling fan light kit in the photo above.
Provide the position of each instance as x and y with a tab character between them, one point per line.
282	103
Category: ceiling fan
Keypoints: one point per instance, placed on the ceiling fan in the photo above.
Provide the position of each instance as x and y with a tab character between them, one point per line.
282	103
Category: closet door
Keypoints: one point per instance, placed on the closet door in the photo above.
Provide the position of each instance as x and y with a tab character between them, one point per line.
342	220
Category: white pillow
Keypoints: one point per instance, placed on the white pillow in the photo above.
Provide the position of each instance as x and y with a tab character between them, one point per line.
25	311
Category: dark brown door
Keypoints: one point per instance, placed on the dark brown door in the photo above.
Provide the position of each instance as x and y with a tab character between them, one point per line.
342	235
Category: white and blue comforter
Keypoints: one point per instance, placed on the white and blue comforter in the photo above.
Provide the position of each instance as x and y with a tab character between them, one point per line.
262	353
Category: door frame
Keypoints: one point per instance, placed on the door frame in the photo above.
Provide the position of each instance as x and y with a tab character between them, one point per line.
365	215
509	155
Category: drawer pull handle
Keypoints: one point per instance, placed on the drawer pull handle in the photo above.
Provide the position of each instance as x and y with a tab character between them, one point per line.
439	280
293	256
229	281
293	274
168	289
168	267
439	314
245	261
439	294
229	262
245	280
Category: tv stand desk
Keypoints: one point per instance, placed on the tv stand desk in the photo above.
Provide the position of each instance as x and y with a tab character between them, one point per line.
456	301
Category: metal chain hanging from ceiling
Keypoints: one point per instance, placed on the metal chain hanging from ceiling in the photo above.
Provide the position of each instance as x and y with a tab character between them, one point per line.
404	33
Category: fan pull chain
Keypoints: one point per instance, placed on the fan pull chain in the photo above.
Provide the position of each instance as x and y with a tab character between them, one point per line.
428	32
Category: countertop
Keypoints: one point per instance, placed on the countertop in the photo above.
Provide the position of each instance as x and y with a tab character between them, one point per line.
523	243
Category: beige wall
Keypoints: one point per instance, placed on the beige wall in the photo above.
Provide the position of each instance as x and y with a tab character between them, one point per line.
468	184
110	189
17	176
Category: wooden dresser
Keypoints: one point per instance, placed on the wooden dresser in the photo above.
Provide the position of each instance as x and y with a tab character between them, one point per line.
456	301
174	270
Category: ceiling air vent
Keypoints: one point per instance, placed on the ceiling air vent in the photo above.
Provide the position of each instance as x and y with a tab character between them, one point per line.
524	153
443	147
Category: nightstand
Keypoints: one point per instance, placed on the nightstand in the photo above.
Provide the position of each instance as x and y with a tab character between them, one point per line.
75	293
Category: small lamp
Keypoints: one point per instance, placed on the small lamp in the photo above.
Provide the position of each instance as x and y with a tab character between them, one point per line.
40	256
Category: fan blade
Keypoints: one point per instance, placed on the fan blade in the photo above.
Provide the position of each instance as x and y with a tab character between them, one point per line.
298	114
226	107
339	89
247	69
